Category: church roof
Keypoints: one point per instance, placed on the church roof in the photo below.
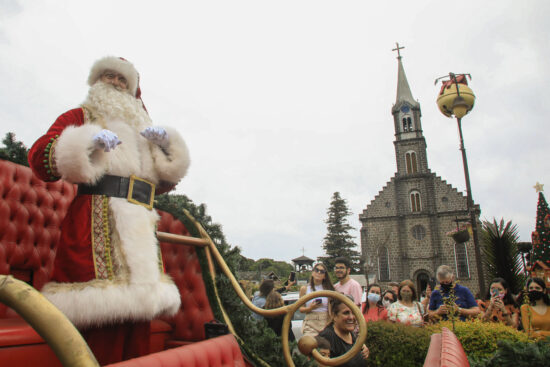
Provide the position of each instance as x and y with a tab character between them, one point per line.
404	93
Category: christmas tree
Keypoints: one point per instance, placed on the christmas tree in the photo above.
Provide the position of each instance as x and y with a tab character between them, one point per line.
541	235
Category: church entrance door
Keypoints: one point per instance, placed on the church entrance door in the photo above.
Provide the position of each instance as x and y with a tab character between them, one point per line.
422	281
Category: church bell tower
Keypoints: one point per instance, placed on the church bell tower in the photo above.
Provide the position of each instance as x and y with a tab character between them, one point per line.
410	145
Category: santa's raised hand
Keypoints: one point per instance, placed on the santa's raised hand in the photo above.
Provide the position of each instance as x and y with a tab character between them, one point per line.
156	135
106	140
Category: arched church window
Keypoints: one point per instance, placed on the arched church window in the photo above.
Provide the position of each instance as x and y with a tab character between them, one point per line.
461	261
409	123
410	162
383	264
416	205
405	124
418	232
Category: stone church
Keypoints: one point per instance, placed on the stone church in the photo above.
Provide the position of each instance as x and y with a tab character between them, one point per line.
403	228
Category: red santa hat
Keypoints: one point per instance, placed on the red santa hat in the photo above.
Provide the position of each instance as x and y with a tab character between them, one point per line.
119	65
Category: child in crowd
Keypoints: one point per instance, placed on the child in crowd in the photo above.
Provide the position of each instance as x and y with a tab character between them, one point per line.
323	346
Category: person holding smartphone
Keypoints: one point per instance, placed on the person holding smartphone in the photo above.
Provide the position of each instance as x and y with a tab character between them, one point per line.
316	310
499	305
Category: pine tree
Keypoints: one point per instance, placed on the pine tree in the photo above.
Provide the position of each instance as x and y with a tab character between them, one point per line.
338	241
14	151
541	236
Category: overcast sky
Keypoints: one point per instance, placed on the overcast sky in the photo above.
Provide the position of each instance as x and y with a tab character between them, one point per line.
282	103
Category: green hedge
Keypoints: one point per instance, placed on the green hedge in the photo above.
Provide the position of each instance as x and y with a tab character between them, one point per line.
400	345
396	344
517	354
479	339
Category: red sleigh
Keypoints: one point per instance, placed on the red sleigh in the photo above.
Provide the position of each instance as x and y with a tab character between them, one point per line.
31	212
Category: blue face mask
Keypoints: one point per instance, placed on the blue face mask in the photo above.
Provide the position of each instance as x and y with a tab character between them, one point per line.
373	297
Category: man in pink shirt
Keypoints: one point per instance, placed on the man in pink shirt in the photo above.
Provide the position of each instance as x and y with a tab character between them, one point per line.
346	285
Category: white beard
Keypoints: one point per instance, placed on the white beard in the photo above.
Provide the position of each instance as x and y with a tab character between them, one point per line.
113	104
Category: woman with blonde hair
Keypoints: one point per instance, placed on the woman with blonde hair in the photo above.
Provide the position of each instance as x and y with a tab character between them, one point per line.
316	310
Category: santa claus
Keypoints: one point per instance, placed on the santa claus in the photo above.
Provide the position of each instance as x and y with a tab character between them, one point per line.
108	266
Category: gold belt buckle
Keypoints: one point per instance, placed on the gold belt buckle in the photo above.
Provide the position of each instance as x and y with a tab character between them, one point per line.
136	180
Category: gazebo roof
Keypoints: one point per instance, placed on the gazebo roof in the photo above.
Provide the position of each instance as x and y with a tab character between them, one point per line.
303	259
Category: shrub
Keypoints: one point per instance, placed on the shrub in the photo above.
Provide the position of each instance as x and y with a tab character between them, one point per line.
396	344
479	339
517	354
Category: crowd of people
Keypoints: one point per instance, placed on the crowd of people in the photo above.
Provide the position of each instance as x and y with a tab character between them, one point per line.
334	326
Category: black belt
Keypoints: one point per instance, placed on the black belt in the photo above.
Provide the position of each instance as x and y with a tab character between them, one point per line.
136	190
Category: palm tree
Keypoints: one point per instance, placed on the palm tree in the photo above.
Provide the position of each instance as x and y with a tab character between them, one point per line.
501	255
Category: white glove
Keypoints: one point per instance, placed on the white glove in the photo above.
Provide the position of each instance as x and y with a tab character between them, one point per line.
156	135
106	140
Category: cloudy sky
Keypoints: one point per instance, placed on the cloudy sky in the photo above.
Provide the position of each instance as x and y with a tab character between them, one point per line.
282	103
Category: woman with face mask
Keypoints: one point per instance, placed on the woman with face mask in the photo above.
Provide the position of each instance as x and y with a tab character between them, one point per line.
373	310
388	297
499	305
407	310
535	316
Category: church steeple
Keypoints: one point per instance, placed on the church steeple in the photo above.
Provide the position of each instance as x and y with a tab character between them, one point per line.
405	111
404	93
410	145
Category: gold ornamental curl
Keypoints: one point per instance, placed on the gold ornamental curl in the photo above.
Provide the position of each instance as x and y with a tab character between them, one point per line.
288	310
50	323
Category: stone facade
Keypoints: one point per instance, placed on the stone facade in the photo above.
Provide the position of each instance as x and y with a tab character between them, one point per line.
403	228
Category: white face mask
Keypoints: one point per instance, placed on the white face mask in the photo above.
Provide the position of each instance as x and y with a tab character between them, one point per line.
386	303
373	297
422	299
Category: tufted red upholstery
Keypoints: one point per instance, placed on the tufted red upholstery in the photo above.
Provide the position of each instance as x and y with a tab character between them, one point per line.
446	351
182	264
31	212
222	351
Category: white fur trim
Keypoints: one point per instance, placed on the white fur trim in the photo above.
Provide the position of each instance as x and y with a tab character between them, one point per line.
75	156
146	294
136	228
123	67
109	302
172	167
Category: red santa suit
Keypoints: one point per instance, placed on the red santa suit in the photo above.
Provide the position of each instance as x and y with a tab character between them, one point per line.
108	267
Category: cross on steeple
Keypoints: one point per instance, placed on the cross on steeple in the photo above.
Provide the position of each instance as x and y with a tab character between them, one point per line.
397	49
303	251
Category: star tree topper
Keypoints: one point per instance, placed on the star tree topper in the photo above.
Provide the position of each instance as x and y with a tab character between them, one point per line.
539	187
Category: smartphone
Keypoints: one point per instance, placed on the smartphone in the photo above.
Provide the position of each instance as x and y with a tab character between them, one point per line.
292	276
318	300
494	292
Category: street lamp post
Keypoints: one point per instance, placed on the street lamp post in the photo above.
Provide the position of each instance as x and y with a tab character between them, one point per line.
457	102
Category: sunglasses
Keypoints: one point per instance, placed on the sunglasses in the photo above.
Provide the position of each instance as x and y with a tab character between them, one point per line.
320	271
